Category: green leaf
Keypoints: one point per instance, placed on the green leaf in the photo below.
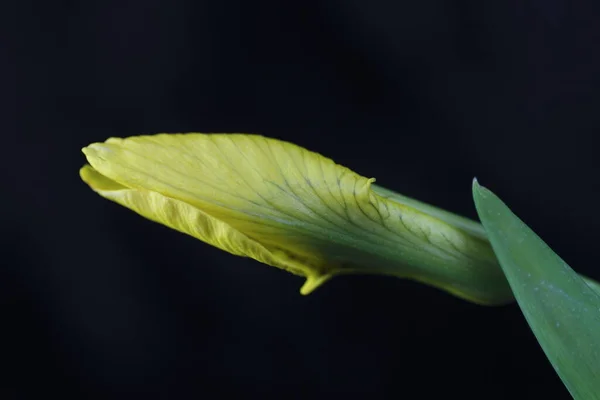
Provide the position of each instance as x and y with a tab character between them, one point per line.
562	310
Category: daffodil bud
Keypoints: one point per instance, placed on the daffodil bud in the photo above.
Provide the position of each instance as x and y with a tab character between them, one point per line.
294	209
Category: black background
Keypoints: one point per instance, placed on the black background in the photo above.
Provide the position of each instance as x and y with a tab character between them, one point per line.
423	95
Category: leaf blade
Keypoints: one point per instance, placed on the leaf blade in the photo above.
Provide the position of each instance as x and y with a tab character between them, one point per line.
562	310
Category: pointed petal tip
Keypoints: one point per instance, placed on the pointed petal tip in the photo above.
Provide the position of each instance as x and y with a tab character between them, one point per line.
313	282
100	149
88	150
97	181
83	172
88	174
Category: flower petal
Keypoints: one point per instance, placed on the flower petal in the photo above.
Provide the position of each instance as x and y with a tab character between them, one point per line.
187	219
297	203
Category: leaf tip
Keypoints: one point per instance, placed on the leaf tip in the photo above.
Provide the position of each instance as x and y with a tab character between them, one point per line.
479	191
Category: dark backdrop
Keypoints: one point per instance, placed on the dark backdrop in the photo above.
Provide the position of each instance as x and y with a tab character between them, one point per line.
423	95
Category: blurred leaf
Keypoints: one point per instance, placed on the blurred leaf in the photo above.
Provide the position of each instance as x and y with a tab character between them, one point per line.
561	309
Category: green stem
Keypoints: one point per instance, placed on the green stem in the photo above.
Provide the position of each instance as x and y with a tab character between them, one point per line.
467	225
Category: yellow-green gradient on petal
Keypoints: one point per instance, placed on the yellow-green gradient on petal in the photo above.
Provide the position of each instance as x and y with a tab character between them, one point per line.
187	219
291	208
